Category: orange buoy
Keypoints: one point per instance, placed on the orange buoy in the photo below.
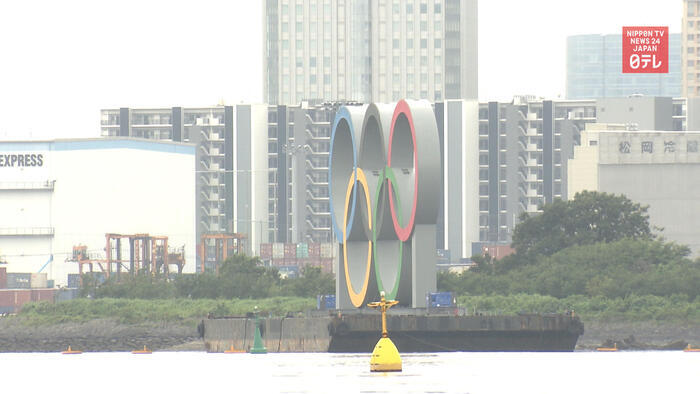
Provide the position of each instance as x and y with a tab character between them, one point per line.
690	349
71	351
232	350
144	351
608	349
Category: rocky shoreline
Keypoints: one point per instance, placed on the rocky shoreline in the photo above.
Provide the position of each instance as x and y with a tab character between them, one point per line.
97	336
108	336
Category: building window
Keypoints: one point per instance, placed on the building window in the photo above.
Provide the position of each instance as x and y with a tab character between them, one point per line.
396	43
312	61
423	8
424	43
409	9
484	205
409	43
438	8
438	43
423	26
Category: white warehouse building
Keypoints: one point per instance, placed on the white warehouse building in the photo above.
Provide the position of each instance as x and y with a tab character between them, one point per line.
58	194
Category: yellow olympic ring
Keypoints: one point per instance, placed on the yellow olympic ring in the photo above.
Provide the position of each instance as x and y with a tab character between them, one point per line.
357	298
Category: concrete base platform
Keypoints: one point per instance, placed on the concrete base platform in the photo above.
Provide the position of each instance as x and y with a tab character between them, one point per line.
358	332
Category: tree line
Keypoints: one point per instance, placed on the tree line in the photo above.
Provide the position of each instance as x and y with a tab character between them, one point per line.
597	245
239	276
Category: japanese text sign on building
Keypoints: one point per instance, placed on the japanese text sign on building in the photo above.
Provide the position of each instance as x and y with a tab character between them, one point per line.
645	49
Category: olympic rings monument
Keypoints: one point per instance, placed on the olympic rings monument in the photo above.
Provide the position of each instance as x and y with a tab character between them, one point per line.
385	184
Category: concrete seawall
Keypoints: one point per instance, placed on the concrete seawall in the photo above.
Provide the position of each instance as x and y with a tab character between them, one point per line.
279	334
358	332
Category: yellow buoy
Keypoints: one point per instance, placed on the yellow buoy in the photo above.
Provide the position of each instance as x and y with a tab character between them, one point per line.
385	356
71	351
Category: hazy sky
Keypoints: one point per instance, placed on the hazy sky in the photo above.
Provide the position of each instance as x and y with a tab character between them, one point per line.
62	61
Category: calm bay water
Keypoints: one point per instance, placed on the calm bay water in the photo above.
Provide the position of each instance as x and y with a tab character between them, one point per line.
195	372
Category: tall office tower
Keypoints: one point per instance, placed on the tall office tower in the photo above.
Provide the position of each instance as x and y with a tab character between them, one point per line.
594	69
691	49
362	50
231	160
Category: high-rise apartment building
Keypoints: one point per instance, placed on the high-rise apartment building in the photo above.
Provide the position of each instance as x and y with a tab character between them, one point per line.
594	69
363	50
691	49
232	163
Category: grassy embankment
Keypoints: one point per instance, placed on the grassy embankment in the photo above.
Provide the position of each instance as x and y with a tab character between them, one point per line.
189	311
135	311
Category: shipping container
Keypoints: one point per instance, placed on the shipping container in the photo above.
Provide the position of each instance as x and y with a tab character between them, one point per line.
18	280
325	302
66	294
73	281
50	283
5	310
266	251
290	251
277	250
436	300
7	298
3	278
314	250
302	250
43	295
326	250
327	265
497	251
38	281
15	297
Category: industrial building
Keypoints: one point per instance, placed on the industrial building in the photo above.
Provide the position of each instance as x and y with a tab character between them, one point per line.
654	168
367	51
59	194
594	69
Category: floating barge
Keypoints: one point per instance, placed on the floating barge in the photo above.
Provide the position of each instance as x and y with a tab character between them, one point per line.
411	330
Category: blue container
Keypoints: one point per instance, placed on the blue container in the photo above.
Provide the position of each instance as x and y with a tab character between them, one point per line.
443	299
325	302
73	281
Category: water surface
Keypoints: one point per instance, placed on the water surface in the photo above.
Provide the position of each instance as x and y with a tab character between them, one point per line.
202	373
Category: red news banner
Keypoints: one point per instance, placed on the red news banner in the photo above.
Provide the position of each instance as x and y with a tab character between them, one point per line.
645	49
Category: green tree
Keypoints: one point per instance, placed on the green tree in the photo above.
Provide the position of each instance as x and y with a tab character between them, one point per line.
244	277
311	283
589	218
